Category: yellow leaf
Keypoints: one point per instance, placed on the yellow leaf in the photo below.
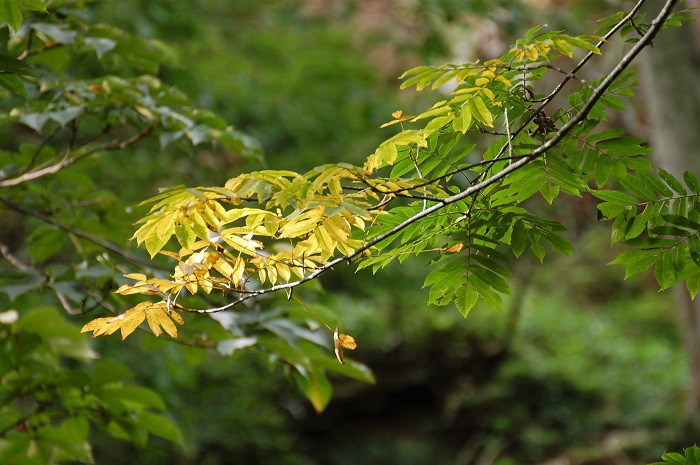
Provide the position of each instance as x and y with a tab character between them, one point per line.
140	288
399	119
132	319
302	224
341	340
325	242
177	317
136	276
241	244
127	322
158	317
338	227
283	270
238	270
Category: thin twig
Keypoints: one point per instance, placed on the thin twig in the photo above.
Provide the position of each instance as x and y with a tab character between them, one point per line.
104	244
67	161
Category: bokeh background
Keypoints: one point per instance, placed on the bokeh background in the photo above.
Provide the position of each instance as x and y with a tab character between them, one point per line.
581	366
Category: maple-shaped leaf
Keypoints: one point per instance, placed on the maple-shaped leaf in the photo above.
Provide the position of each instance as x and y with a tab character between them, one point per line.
341	340
157	314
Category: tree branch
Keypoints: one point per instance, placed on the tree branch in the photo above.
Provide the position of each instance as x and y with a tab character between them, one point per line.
104	244
67	161
645	40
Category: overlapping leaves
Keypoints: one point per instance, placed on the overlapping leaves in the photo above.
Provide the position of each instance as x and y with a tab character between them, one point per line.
659	216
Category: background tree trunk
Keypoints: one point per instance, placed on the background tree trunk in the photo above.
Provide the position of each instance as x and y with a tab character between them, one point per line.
670	73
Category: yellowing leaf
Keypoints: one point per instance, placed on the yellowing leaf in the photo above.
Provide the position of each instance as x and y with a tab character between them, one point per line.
157	317
302	224
283	270
128	321
325	242
341	340
480	111
399	119
136	276
338	227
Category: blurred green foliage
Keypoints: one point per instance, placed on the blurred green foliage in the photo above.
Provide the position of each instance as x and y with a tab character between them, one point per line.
562	369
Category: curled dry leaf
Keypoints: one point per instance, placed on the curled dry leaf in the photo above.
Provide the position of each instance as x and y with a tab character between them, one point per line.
454	248
341	340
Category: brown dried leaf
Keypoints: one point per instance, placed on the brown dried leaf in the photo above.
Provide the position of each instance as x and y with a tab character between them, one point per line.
454	248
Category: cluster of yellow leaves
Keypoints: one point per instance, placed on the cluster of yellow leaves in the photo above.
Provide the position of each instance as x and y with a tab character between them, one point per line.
562	43
475	97
477	91
275	226
270	225
156	314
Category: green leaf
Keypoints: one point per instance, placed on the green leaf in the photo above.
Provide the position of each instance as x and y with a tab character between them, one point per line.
682	221
12	65
637	187
108	371
486	292
549	192
672	181
531	33
351	368
665	270
44	243
13	83
582	44
669	231
317	388
611	210
10	13
518	238
33	5
694	248
480	111
691	180
35	121
673	458
535	245
490	278
66	115
693	284
463	122
639	223
136	395
603	169
615	197
160	426
465	299
654	183
637	260
650	242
